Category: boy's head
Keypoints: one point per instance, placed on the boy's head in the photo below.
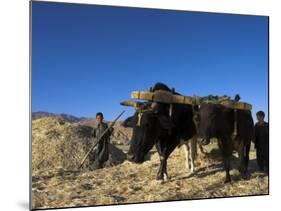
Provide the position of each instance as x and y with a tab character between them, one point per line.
99	117
260	116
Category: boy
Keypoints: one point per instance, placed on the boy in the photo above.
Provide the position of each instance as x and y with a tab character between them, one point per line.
262	142
101	153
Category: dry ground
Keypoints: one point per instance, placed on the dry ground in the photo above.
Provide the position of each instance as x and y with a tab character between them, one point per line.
131	183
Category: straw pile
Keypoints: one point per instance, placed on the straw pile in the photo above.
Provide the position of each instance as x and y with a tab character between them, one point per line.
131	183
58	144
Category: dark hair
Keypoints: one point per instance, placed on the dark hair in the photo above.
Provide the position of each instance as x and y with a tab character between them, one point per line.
99	114
260	113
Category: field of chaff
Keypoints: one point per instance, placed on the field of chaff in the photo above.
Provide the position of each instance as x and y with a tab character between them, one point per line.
131	183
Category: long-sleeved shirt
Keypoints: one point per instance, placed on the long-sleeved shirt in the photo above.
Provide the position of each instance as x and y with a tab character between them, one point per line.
261	135
101	150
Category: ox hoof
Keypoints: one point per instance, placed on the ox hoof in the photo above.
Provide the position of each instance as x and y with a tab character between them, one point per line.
159	177
227	180
190	174
246	176
166	177
163	177
192	171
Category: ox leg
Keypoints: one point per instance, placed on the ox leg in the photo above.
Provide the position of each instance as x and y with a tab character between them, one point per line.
186	152
164	149
162	173
226	161
241	160
244	161
190	154
247	151
193	152
202	151
226	153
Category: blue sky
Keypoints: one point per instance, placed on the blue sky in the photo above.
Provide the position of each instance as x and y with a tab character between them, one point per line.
88	58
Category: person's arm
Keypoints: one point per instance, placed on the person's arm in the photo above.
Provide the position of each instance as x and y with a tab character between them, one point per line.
94	132
267	132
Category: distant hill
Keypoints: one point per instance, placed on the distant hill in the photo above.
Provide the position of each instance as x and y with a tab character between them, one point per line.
67	117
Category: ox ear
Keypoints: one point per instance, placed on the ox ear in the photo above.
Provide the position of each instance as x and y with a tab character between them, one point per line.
165	122
129	122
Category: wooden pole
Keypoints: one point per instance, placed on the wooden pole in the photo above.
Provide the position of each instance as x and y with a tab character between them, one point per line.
100	137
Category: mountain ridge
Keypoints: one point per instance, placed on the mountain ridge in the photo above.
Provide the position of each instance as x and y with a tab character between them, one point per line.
67	117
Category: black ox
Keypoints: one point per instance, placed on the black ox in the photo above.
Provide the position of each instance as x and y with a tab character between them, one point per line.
155	125
218	121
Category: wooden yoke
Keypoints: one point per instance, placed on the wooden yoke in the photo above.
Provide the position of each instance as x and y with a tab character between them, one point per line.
162	96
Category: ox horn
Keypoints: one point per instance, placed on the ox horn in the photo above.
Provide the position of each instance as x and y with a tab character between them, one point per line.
129	103
137	105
